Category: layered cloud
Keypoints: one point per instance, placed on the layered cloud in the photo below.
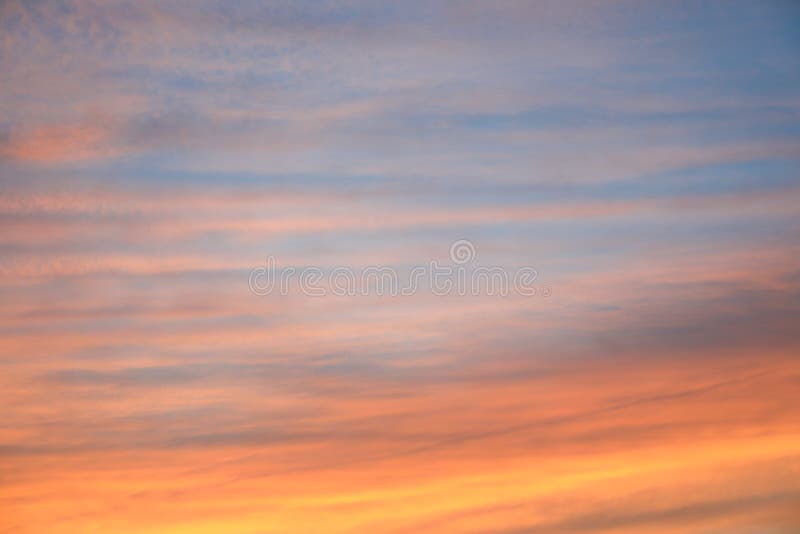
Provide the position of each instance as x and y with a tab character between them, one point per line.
642	158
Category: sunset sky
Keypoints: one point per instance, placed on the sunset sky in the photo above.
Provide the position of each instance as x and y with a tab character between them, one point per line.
642	157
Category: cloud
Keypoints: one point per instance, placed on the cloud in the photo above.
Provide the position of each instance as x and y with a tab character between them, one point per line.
642	159
59	144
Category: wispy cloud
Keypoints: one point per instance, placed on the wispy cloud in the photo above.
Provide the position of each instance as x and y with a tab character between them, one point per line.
643	158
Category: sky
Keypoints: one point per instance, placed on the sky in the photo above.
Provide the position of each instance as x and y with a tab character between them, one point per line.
641	159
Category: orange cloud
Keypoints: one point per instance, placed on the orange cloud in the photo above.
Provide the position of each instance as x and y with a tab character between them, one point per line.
60	143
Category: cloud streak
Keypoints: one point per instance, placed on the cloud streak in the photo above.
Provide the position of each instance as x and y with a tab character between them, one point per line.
643	158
